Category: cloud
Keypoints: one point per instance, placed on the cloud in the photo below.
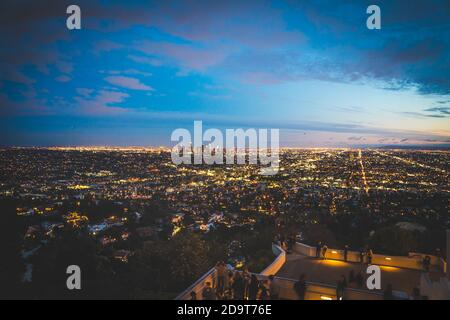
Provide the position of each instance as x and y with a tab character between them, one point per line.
129	72
443	111
421	115
13	74
106	46
103	102
128	83
29	104
210	96
145	60
64	67
305	40
63	78
432	112
84	92
185	55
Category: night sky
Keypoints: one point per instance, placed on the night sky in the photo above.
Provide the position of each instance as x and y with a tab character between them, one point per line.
139	69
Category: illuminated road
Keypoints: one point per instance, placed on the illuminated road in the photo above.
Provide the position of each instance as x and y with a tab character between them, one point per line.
363	172
411	162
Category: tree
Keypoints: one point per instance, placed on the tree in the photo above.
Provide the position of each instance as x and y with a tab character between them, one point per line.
395	241
11	263
164	268
72	248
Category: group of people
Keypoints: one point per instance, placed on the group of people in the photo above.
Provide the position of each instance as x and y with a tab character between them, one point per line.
238	285
358	279
235	285
321	250
354	280
286	242
243	285
366	256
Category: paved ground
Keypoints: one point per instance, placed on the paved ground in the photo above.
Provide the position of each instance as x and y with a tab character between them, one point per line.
329	272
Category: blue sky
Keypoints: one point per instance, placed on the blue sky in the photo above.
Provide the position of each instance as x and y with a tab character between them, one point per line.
139	69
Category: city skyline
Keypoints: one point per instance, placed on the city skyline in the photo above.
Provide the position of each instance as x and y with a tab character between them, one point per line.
136	72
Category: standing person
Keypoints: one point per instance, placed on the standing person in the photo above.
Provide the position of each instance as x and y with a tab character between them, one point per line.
324	251
238	286
426	263
438	253
351	277
416	294
318	249
290	244
229	285
387	294
193	296
276	239
345	253
369	256
246	276
361	257
253	288
341	285
264	292
300	287
208	292
273	288
221	269
359	280
283	241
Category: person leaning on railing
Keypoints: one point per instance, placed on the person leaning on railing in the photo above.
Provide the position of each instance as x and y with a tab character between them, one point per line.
208	292
273	288
238	286
426	262
264	295
221	269
253	288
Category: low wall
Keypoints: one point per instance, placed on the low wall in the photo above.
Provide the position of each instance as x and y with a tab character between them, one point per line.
413	261
304	249
211	275
320	291
435	290
316	291
435	261
278	263
199	285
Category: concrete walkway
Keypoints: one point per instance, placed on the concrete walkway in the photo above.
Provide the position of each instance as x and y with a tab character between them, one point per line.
329	272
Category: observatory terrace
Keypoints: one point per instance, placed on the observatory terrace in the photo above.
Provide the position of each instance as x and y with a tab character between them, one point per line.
403	273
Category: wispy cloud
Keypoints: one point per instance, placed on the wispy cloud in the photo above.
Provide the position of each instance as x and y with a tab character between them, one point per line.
63	78
106	46
444	111
185	55
100	103
128	83
432	112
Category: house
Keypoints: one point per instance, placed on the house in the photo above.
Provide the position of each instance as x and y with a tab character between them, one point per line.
122	255
146	232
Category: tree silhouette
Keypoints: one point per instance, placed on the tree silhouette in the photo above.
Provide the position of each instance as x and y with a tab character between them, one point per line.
11	264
